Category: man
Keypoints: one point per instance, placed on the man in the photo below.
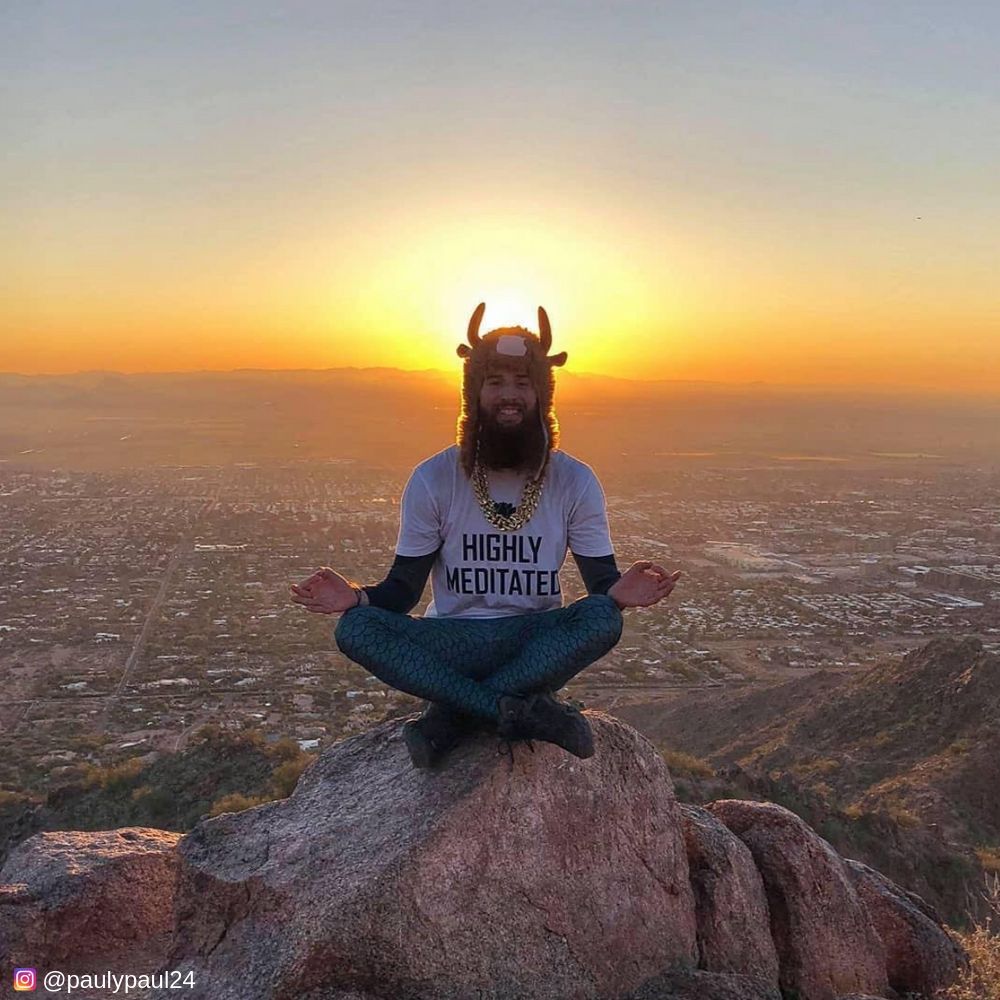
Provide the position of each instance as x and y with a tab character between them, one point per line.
490	519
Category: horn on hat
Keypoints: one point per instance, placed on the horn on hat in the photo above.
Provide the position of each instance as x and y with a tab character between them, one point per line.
545	338
464	350
544	330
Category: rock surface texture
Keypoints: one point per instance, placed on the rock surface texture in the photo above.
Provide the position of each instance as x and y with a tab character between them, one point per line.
545	877
920	956
88	901
541	877
734	928
827	944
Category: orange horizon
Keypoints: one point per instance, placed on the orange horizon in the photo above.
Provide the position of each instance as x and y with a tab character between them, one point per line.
887	387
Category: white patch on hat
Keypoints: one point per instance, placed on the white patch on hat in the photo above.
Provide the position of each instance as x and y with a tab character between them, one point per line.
512	345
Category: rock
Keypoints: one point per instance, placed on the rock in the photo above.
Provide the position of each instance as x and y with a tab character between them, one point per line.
701	985
734	928
89	901
546	877
826	942
920	955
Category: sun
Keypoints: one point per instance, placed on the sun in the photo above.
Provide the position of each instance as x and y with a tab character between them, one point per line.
416	298
507	307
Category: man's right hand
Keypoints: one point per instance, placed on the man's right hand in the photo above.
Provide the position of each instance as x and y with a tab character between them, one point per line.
325	593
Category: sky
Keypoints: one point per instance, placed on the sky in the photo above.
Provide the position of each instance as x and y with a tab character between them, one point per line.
787	192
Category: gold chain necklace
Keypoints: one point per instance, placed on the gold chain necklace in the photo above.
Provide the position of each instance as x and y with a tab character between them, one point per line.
530	496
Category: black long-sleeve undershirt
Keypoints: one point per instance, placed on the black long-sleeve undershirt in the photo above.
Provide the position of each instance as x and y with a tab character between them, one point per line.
404	584
401	589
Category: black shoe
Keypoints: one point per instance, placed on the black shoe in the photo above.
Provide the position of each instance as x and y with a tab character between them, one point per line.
437	731
543	717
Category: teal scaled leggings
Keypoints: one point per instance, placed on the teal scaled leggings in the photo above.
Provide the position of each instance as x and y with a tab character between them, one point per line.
467	663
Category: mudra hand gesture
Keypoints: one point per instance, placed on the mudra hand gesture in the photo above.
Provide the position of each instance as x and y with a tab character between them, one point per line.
325	593
642	584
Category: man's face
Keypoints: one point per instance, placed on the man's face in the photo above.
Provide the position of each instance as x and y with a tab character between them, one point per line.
508	399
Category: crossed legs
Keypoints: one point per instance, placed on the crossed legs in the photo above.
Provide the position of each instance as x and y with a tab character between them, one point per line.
467	664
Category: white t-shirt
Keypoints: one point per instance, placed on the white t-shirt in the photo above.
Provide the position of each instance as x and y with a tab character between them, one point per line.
481	571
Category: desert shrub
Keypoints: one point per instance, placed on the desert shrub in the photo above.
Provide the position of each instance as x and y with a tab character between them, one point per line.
11	799
684	763
903	817
982	981
285	749
816	768
235	803
118	777
286	776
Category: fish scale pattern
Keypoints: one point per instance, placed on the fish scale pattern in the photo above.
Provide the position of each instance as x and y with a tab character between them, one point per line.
468	663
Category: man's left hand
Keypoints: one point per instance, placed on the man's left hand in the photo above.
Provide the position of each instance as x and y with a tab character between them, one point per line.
644	583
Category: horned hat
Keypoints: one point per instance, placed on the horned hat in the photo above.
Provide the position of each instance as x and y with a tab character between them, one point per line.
507	347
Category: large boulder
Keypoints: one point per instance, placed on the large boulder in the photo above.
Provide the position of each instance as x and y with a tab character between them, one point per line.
921	957
87	901
827	944
539	877
690	984
734	927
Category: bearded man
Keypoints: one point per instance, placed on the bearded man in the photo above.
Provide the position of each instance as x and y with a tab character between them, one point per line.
490	519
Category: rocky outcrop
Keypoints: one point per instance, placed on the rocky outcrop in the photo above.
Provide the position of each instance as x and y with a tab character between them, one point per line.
734	930
920	956
700	985
826	942
86	901
544	877
540	876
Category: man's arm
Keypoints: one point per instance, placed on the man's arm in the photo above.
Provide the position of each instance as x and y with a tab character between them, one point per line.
598	572
401	589
326	592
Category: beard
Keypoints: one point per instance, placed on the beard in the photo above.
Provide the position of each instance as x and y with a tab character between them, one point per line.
520	447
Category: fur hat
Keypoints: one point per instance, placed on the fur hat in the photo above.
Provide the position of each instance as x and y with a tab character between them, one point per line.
511	347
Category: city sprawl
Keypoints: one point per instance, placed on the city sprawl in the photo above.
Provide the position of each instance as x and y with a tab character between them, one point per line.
136	606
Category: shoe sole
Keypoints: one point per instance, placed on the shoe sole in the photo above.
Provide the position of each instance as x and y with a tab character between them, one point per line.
422	754
582	747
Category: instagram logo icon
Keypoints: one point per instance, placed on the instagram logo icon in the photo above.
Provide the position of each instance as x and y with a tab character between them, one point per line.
24	980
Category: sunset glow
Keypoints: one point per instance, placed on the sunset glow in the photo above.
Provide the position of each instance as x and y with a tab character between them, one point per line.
775	197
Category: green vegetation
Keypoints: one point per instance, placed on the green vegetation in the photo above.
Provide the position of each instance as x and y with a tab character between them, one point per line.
685	764
816	768
960	747
218	772
235	802
903	817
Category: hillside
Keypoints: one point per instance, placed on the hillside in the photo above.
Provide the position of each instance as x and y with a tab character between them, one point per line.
916	740
218	770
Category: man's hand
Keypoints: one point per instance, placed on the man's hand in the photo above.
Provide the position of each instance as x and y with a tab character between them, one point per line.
325	593
642	584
